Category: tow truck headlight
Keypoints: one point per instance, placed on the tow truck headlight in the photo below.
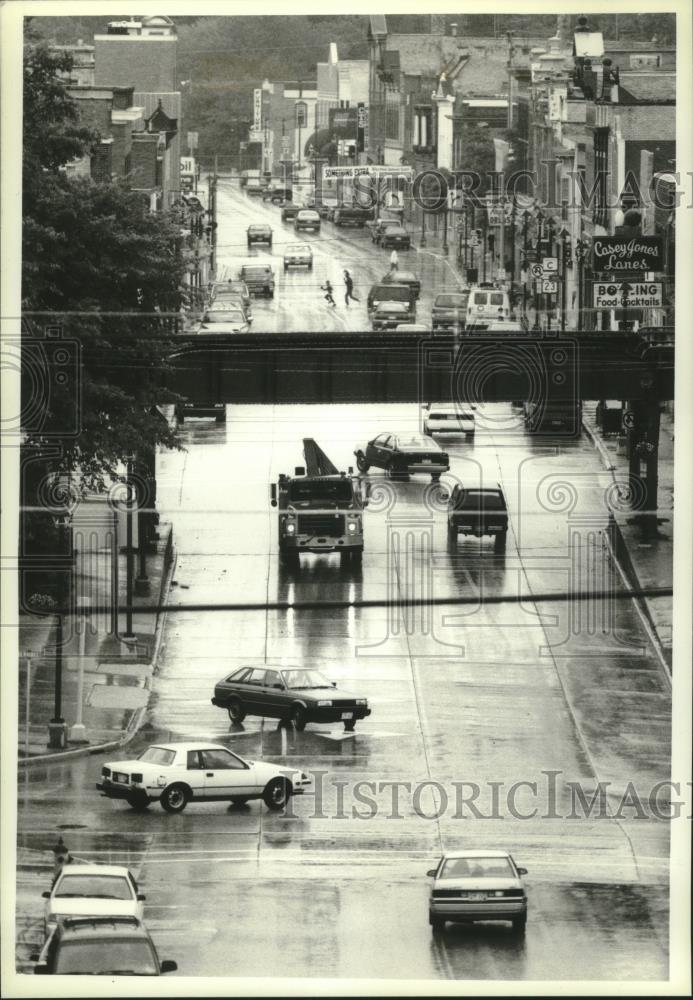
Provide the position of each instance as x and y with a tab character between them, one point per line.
352	526
324	704
290	528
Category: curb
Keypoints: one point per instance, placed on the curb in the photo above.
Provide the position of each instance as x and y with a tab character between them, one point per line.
137	716
618	549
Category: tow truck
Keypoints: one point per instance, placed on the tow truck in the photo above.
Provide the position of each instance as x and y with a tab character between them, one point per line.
320	509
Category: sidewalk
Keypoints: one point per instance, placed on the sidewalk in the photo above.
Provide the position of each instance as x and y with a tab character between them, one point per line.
116	675
644	564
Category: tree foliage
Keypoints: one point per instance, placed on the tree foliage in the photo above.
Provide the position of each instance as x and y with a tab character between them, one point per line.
101	268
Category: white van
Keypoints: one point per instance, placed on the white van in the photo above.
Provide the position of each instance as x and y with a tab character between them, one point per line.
488	303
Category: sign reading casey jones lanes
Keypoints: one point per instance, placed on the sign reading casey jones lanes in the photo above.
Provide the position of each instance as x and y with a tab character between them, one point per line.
627	254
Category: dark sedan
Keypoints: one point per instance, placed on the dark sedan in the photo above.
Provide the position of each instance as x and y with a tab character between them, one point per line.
259	234
295	694
402	454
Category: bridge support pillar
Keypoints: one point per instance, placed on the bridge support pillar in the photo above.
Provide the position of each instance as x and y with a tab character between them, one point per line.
642	420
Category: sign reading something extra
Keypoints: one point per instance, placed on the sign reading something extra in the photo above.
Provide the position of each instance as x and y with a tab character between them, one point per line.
627	254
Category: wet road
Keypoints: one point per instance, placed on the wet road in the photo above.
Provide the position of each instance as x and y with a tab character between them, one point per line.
465	701
299	303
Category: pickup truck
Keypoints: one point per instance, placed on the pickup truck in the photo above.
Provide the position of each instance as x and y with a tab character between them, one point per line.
478	511
259	279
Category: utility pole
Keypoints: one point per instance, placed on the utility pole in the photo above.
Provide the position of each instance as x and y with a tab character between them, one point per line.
129	635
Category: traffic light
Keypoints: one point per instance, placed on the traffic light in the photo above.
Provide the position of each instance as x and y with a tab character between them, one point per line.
567	255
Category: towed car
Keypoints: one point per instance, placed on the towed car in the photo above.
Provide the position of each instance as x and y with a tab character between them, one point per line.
175	774
390	315
259	279
223	321
477	885
296	695
101	946
449	419
407	278
231	287
401	454
449	311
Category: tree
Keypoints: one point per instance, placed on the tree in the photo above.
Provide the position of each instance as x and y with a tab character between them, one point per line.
105	271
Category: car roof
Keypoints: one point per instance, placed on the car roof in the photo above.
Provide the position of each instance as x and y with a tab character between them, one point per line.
73	869
184	745
475	854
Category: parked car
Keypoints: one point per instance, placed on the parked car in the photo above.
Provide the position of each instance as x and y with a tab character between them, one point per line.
101	946
449	312
442	418
351	215
307	221
488	302
259	279
392	292
295	694
407	278
175	774
298	255
259	233
231	300
232	287
477	885
478	510
390	315
224	321
396	237
92	891
402	454
289	212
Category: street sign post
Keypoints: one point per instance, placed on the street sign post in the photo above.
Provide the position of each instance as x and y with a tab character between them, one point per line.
549	286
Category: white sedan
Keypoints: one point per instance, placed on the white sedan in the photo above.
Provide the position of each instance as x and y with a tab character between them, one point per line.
177	773
449	419
92	891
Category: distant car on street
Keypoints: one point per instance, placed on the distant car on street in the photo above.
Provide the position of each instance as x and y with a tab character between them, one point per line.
259	279
175	774
407	278
478	511
486	302
307	221
477	885
277	195
443	419
351	215
231	300
396	237
101	946
392	292
449	312
295	694
289	212
390	315
377	226
92	891
255	187
259	233
220	289
298	255
402	454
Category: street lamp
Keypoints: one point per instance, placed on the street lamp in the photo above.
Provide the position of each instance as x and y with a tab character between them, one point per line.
57	730
129	634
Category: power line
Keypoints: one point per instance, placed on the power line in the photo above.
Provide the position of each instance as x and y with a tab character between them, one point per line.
560	597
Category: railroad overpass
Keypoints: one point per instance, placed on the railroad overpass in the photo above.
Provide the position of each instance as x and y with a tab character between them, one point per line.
399	367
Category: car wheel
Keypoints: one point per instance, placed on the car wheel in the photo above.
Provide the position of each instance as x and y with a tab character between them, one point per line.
174	799
235	710
520	924
361	463
139	802
298	718
349	725
500	541
437	923
277	793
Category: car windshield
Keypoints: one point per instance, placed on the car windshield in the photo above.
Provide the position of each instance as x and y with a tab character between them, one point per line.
476	499
94	886
458	301
157	755
256	272
316	492
416	441
225	316
106	957
298	248
305	679
259	229
477	868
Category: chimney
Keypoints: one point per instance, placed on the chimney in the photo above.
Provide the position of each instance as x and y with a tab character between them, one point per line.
437	24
